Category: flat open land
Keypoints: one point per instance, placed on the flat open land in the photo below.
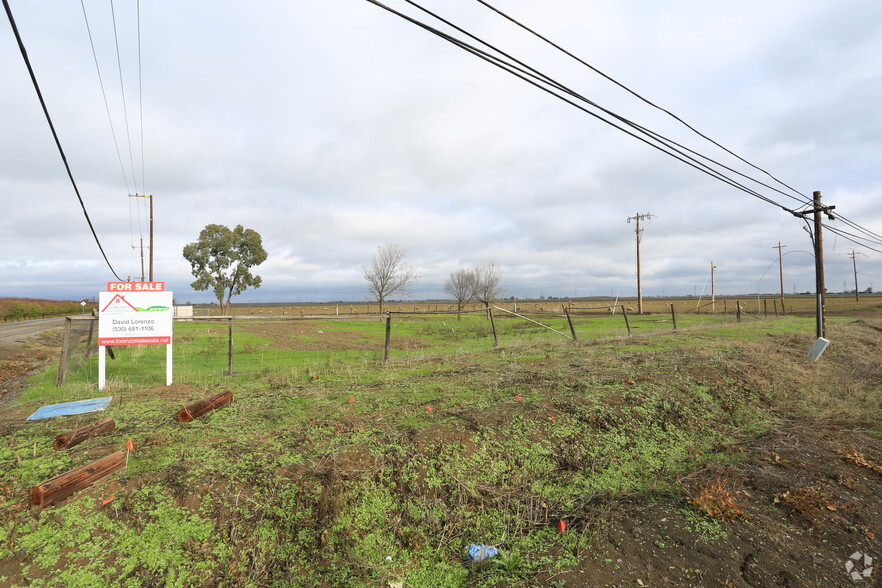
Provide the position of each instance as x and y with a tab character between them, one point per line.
713	454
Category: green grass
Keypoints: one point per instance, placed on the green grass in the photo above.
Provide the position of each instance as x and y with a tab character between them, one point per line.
294	484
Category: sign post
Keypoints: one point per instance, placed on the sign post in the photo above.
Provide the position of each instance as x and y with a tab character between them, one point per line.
134	313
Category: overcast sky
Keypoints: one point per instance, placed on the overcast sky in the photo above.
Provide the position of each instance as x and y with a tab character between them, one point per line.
334	127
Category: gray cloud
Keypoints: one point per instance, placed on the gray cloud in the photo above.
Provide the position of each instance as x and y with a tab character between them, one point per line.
331	129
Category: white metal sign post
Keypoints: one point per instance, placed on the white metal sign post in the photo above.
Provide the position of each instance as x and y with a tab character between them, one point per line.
134	313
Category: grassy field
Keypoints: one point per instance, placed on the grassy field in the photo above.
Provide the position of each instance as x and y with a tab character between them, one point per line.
332	469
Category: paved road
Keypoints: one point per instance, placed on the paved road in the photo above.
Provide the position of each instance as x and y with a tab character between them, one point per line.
12	332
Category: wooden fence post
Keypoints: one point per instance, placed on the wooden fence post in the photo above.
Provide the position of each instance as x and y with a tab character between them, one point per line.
388	336
738	311
493	326
673	316
89	338
65	353
765	308
230	346
570	320
627	324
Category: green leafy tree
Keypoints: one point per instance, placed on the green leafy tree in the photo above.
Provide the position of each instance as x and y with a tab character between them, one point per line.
222	259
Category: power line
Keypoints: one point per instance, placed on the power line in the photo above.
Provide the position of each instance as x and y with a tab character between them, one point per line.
664	145
123	92
24	55
104	95
141	96
645	100
667	142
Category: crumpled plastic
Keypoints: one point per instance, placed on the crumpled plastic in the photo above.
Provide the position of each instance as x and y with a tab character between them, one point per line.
481	552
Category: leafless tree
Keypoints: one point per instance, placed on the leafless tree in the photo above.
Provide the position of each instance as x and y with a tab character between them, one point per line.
389	273
461	285
487	286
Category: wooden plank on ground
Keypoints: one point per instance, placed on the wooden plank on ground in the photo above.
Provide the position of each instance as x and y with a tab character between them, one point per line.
197	409
60	487
77	436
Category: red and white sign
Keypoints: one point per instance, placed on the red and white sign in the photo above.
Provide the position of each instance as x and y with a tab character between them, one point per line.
135	317
136	286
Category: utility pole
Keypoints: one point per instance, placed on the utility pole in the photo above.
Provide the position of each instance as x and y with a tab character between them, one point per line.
820	288
857	295
780	269
713	288
151	230
638	217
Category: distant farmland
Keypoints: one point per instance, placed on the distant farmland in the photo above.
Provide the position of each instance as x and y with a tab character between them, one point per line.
764	304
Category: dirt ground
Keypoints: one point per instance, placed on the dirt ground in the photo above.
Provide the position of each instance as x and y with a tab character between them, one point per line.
800	507
24	357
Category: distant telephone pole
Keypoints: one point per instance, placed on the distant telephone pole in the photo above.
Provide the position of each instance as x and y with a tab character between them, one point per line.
780	269
713	288
638	217
151	231
857	295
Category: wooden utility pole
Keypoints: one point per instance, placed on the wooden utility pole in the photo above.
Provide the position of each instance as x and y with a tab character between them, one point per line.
857	295
780	269
713	288
638	217
150	196
820	287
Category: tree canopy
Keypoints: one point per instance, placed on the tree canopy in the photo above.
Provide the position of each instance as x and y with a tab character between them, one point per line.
389	273
222	259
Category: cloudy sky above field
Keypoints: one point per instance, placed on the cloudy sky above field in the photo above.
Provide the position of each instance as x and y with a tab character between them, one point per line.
334	127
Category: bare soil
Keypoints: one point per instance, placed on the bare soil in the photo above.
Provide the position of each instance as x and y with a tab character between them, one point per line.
23	357
795	507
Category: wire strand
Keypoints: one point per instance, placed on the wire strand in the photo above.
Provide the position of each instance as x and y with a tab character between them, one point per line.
122	166
526	77
24	55
635	94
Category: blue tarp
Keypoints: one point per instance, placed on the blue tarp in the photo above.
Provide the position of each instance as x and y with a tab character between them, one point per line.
68	408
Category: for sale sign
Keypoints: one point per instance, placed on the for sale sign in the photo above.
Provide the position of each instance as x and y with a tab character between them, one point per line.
135	286
130	317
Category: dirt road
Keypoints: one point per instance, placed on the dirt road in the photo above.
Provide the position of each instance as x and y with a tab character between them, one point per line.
24	348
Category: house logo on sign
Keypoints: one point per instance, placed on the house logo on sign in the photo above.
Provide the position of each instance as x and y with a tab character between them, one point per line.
118	305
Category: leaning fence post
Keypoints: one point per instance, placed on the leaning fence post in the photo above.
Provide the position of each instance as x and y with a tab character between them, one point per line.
627	324
738	311
65	353
493	326
570	320
673	316
229	346
388	336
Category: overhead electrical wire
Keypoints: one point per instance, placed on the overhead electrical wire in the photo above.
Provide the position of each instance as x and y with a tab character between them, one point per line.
664	145
141	95
637	95
104	95
656	136
24	55
656	140
123	92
